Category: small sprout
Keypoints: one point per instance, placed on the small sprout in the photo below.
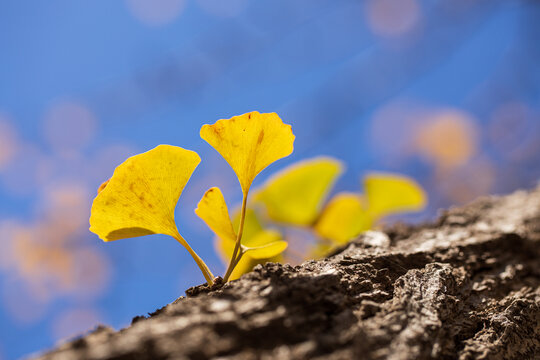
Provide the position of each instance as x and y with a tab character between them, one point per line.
266	246
344	218
141	196
252	228
296	194
249	143
263	244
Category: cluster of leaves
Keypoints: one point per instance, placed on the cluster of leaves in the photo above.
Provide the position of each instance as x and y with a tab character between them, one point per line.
297	196
141	196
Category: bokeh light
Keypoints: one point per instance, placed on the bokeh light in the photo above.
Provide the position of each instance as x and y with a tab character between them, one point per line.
447	138
391	18
156	12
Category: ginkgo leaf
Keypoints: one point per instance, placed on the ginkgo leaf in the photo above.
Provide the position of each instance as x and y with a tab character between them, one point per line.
250	143
212	209
264	245
343	218
141	196
295	194
389	194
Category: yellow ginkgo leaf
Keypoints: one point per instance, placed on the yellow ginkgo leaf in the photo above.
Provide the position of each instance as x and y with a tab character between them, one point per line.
141	196
250	143
266	244
344	218
295	194
389	194
212	209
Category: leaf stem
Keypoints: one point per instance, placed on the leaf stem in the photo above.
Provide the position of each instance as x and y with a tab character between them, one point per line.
238	258
202	265
237	248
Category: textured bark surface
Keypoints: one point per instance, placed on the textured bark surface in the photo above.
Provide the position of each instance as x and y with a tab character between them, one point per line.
464	287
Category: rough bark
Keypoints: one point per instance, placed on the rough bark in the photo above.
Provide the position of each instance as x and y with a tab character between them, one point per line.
464	287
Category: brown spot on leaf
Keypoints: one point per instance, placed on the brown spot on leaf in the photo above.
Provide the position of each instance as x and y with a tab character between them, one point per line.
127	233
217	130
260	138
103	186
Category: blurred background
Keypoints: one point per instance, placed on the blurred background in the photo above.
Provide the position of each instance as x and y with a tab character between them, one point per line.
446	91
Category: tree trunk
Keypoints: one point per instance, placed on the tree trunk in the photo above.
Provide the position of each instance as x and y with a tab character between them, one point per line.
464	287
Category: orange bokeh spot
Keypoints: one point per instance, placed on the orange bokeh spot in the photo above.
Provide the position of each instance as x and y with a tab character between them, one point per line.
46	256
40	263
65	212
390	18
448	139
